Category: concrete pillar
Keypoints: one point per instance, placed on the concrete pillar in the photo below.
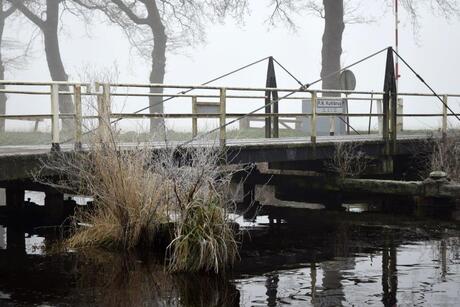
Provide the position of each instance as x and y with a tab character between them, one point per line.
15	199
2	197
15	239
2	237
54	206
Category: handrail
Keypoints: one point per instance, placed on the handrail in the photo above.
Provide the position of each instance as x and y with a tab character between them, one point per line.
104	91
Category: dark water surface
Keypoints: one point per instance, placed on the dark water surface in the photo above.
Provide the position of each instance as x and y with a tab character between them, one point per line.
312	258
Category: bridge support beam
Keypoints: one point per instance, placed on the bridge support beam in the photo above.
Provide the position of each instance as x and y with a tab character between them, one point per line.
15	199
54	206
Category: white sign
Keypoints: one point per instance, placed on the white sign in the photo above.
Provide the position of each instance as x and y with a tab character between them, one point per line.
325	105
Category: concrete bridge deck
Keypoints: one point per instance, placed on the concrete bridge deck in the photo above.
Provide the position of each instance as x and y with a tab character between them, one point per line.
17	162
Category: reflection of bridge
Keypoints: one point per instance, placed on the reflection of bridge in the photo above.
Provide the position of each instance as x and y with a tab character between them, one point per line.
330	258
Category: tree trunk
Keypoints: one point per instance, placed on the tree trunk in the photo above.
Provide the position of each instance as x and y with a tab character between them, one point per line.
332	43
54	61
2	73
157	76
157	72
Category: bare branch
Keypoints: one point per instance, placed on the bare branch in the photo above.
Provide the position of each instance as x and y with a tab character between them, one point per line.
28	13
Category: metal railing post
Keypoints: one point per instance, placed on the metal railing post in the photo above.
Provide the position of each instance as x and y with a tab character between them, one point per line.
55	146
222	119
78	116
314	103
194	118
370	114
444	116
348	114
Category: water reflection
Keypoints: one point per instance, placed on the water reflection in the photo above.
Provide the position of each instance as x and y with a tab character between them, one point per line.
313	260
389	274
125	280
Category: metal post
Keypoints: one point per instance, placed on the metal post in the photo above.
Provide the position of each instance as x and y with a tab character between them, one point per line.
222	119
314	103
444	116
348	116
276	126
393	120
194	118
55	117
389	112
332	125
370	114
78	116
271	97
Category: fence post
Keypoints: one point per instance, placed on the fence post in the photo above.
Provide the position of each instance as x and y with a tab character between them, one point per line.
222	119
348	114
314	103
103	109
78	116
444	116
400	118
370	113
55	117
194	118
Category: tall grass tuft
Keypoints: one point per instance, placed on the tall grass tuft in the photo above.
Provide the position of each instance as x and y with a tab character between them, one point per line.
138	190
203	240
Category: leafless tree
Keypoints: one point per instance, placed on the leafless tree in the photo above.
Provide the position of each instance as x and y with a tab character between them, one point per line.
5	12
46	15
153	26
337	13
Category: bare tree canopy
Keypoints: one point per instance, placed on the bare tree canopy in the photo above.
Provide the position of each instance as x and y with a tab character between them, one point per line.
46	15
152	27
338	13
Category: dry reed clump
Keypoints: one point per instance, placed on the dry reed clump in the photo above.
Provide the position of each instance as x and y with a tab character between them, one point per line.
129	198
446	155
136	191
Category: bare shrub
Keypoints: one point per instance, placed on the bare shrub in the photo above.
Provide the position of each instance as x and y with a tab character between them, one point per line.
138	189
348	159
446	155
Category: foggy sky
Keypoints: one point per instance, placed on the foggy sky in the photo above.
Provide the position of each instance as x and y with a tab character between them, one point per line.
434	54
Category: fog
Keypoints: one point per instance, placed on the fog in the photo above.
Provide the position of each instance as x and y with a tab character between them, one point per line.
433	52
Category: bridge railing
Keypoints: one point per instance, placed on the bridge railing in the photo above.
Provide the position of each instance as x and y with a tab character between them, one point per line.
206	102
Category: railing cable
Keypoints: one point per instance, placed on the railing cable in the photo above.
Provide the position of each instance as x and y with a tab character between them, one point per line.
427	85
309	84
302	88
182	93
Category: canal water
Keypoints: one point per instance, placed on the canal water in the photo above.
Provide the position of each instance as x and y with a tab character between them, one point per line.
302	258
